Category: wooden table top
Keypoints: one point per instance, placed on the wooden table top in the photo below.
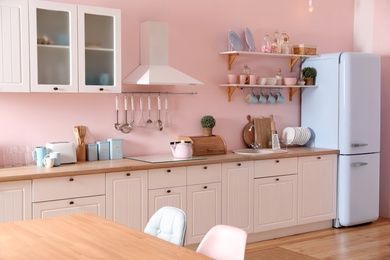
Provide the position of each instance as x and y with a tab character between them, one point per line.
83	236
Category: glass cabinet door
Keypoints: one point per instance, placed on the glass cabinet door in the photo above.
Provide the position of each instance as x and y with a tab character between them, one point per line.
53	47
99	49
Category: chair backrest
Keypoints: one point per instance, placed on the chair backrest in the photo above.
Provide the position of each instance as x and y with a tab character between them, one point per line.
169	224
224	242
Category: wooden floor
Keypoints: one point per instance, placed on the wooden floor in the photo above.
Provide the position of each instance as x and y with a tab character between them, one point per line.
369	241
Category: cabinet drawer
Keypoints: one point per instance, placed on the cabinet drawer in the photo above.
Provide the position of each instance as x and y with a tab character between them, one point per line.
68	187
275	167
167	177
95	205
204	174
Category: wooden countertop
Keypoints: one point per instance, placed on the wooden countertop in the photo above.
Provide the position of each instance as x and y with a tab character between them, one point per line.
107	166
84	236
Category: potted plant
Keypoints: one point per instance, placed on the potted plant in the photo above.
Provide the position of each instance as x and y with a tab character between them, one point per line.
309	74
207	122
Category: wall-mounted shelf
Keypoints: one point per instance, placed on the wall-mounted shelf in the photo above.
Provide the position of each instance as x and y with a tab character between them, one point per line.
293	57
293	88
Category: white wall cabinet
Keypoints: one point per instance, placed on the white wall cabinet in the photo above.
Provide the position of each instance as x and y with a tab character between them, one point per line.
14	46
74	48
126	198
317	188
15	201
69	195
203	200
237	195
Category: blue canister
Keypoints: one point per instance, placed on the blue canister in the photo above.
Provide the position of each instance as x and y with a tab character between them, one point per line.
115	149
38	154
103	148
92	152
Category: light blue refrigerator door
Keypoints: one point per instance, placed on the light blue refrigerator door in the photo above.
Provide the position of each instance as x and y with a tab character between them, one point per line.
359	117
358	189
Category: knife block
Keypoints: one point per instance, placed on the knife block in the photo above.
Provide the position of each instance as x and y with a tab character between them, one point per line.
206	145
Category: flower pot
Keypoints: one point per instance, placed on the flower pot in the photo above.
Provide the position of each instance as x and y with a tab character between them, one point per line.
207	131
309	81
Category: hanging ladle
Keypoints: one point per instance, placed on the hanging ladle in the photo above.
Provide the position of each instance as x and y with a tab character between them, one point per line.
159	123
132	123
117	124
125	127
149	122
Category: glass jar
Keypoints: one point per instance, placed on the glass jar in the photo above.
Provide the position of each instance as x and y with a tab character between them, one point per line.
284	44
275	46
266	46
247	72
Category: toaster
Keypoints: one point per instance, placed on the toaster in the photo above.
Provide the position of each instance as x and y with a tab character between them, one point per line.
67	151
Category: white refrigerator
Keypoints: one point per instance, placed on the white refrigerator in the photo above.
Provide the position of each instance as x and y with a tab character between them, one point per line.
344	113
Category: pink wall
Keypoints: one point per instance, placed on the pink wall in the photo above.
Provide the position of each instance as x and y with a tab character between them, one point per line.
381	46
198	32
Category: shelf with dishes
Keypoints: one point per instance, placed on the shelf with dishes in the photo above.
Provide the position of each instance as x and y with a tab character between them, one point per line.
292	88
293	57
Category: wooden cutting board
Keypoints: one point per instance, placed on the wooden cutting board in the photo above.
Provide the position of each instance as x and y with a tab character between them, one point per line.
248	135
263	129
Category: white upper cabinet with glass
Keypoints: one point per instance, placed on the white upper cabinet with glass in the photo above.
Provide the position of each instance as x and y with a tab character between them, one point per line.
74	48
99	38
14	56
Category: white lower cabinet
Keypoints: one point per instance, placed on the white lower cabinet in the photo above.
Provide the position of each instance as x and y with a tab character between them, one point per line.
317	177
15	201
69	195
237	195
275	202
126	198
203	200
167	187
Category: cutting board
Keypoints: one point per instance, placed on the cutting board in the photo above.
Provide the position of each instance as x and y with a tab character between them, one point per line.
248	135
263	129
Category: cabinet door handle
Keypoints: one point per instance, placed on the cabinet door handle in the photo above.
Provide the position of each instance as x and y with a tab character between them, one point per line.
205	187
205	167
277	179
319	157
358	164
71	179
358	145
128	174
238	164
277	161
55	88
169	170
168	191
71	202
101	89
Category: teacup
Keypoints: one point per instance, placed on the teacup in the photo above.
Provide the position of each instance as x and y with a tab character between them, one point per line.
48	162
252	79
232	79
251	98
242	79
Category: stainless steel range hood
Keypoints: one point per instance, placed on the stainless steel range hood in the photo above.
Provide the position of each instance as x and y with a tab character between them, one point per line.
154	68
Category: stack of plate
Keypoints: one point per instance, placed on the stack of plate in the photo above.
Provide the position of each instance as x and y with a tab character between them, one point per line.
296	135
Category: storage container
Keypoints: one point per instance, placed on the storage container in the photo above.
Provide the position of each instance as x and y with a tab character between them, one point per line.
115	149
206	145
103	150
92	152
304	49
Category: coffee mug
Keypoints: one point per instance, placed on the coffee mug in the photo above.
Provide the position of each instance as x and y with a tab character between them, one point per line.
232	79
242	79
38	154
271	99
57	158
262	98
252	79
251	98
279	98
48	162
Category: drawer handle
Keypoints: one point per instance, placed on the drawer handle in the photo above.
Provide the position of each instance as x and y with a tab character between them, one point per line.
319	157
238	164
277	161
169	170
168	191
277	179
55	88
205	187
71	203
71	179
128	174
101	89
205	167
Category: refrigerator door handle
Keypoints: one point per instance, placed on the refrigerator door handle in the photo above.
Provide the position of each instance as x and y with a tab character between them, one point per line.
358	164
358	145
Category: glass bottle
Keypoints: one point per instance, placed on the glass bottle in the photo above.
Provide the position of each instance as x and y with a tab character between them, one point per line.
275	46
279	77
284	45
246	71
266	46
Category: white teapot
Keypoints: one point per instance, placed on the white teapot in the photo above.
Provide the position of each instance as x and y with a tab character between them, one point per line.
182	149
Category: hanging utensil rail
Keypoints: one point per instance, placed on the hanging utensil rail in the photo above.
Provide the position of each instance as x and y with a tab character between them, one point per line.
160	92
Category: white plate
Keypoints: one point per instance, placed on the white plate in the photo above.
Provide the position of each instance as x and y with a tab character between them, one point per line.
249	40
235	41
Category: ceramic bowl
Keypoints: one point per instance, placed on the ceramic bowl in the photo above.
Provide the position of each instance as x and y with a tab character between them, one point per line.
270	81
290	81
